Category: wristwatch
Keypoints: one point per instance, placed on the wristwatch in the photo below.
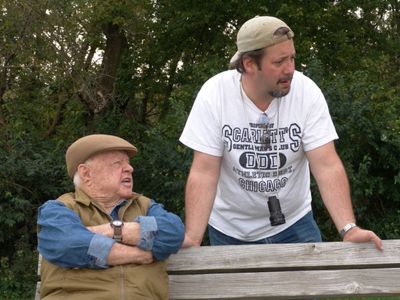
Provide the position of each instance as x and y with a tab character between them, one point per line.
346	228
117	226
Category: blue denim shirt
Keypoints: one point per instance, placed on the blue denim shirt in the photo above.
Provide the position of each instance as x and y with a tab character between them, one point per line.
64	240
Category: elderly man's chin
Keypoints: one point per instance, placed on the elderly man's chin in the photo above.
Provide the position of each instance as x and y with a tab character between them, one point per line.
125	193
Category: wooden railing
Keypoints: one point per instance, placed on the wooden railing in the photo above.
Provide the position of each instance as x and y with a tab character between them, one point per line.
284	271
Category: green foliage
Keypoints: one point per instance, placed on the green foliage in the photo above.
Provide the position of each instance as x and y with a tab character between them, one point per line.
365	113
161	167
18	274
52	59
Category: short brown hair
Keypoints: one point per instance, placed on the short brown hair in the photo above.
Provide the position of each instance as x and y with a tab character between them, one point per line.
255	55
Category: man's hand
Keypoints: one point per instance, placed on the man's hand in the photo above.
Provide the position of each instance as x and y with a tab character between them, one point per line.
130	232
142	257
188	242
359	235
125	253
121	254
104	229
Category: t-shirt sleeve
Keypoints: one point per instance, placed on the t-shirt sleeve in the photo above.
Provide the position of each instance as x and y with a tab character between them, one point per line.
319	128
202	131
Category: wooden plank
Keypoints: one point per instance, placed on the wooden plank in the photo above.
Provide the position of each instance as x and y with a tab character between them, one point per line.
37	292
285	271
286	284
325	255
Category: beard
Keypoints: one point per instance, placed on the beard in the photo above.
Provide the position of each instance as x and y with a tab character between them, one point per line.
281	92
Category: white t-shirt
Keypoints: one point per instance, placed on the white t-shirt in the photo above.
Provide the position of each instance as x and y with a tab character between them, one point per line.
224	122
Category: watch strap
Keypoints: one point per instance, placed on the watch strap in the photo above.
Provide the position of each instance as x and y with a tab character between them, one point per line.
346	228
117	236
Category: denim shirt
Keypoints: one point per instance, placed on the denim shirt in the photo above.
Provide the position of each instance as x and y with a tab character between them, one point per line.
66	242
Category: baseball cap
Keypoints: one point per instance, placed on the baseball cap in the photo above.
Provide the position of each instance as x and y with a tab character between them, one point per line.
87	146
258	33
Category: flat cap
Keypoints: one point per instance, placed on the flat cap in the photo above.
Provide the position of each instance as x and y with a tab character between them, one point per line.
87	146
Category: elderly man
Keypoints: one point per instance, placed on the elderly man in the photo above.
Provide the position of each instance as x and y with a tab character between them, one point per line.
104	241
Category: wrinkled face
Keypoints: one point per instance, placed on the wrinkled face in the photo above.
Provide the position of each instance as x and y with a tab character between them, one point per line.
275	73
110	175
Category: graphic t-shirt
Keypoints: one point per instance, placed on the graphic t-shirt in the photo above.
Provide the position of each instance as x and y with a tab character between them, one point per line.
263	153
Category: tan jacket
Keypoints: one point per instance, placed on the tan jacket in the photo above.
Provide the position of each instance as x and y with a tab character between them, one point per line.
129	281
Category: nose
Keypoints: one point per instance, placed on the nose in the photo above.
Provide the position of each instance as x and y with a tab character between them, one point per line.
128	168
289	67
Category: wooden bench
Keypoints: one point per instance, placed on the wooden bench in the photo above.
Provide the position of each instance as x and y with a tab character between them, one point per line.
285	271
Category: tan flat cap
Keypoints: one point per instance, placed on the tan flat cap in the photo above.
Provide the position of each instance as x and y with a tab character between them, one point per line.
85	147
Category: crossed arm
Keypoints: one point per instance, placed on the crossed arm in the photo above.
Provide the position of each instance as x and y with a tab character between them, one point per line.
66	242
130	232
128	252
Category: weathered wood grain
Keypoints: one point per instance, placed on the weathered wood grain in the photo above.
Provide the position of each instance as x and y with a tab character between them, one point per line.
284	271
274	257
286	284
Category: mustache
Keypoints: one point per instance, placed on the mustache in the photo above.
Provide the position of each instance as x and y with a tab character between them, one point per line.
286	78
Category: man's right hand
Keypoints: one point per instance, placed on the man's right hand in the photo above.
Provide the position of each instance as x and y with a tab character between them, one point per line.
188	242
130	232
143	257
123	254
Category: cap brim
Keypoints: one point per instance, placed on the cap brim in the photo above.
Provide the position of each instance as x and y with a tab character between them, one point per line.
235	57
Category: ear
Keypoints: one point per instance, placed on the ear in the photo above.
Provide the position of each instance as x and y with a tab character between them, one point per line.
84	173
249	65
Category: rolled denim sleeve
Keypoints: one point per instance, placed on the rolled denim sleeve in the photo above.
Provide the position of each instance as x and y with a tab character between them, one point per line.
99	249
66	242
169	233
148	230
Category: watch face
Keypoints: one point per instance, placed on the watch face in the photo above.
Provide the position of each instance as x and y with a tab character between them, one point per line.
117	223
